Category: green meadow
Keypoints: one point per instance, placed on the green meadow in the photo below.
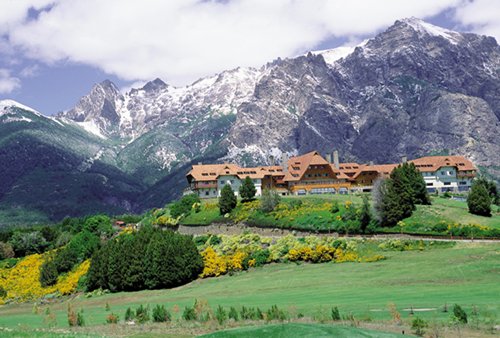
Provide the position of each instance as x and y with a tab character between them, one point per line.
425	282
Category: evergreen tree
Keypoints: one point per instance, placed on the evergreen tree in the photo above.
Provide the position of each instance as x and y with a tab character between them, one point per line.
417	183
401	185
388	204
247	190
479	200
491	187
227	200
365	215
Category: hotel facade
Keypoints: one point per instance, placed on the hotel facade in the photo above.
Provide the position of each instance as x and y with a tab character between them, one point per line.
312	173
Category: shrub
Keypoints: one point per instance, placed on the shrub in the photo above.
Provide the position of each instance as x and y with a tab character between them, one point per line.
129	314
233	314
459	314
189	313
26	243
72	318
269	200
6	251
227	200
221	315
99	225
80	321
161	314
48	273
112	318
3	293
142	314
274	313
335	207
200	240
335	313
419	325
184	206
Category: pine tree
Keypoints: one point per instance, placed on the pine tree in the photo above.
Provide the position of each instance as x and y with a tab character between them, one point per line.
247	190
227	200
48	273
388	204
365	215
479	200
417	182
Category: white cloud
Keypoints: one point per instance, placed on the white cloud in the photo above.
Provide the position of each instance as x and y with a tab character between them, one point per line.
183	40
482	16
30	71
8	83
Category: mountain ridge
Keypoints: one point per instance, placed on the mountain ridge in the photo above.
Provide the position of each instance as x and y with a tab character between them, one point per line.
412	90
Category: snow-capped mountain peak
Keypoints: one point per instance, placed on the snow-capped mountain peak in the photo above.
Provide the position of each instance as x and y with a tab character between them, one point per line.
7	104
423	27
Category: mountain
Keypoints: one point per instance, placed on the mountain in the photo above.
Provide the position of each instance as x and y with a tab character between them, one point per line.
52	168
414	89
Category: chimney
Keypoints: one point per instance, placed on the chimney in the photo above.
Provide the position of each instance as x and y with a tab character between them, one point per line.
371	163
404	159
328	157
271	160
199	163
284	161
336	159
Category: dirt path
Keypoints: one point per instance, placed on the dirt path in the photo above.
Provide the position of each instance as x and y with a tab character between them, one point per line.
238	229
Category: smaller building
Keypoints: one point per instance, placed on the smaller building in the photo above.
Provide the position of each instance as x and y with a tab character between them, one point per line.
446	173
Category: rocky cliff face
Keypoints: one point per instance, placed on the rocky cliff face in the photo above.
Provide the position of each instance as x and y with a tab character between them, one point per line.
414	89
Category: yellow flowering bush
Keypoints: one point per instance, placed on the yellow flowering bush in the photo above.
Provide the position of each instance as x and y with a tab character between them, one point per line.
214	265
21	282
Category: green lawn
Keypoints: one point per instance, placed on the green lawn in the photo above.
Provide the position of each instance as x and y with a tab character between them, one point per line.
448	210
467	274
302	331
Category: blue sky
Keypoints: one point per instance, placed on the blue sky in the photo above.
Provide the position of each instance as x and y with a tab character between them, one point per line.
53	51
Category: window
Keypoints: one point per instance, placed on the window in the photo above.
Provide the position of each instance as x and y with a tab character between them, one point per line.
232	181
442	173
463	183
206	193
430	184
447	183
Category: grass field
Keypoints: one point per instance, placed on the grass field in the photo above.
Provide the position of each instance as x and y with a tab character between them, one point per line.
448	210
302	331
467	274
313	214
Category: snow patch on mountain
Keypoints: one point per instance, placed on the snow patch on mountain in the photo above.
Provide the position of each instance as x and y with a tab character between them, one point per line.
7	105
427	28
91	127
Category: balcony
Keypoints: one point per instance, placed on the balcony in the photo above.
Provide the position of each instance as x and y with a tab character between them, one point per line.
205	185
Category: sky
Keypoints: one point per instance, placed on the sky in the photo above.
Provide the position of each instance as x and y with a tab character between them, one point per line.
53	51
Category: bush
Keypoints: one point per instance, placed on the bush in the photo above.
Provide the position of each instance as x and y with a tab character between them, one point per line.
80	321
335	313
459	314
221	315
6	251
112	318
479	200
3	293
269	200
183	207
48	273
189	313
27	243
419	325
129	314
161	314
274	313
142	314
233	314
99	225
227	200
